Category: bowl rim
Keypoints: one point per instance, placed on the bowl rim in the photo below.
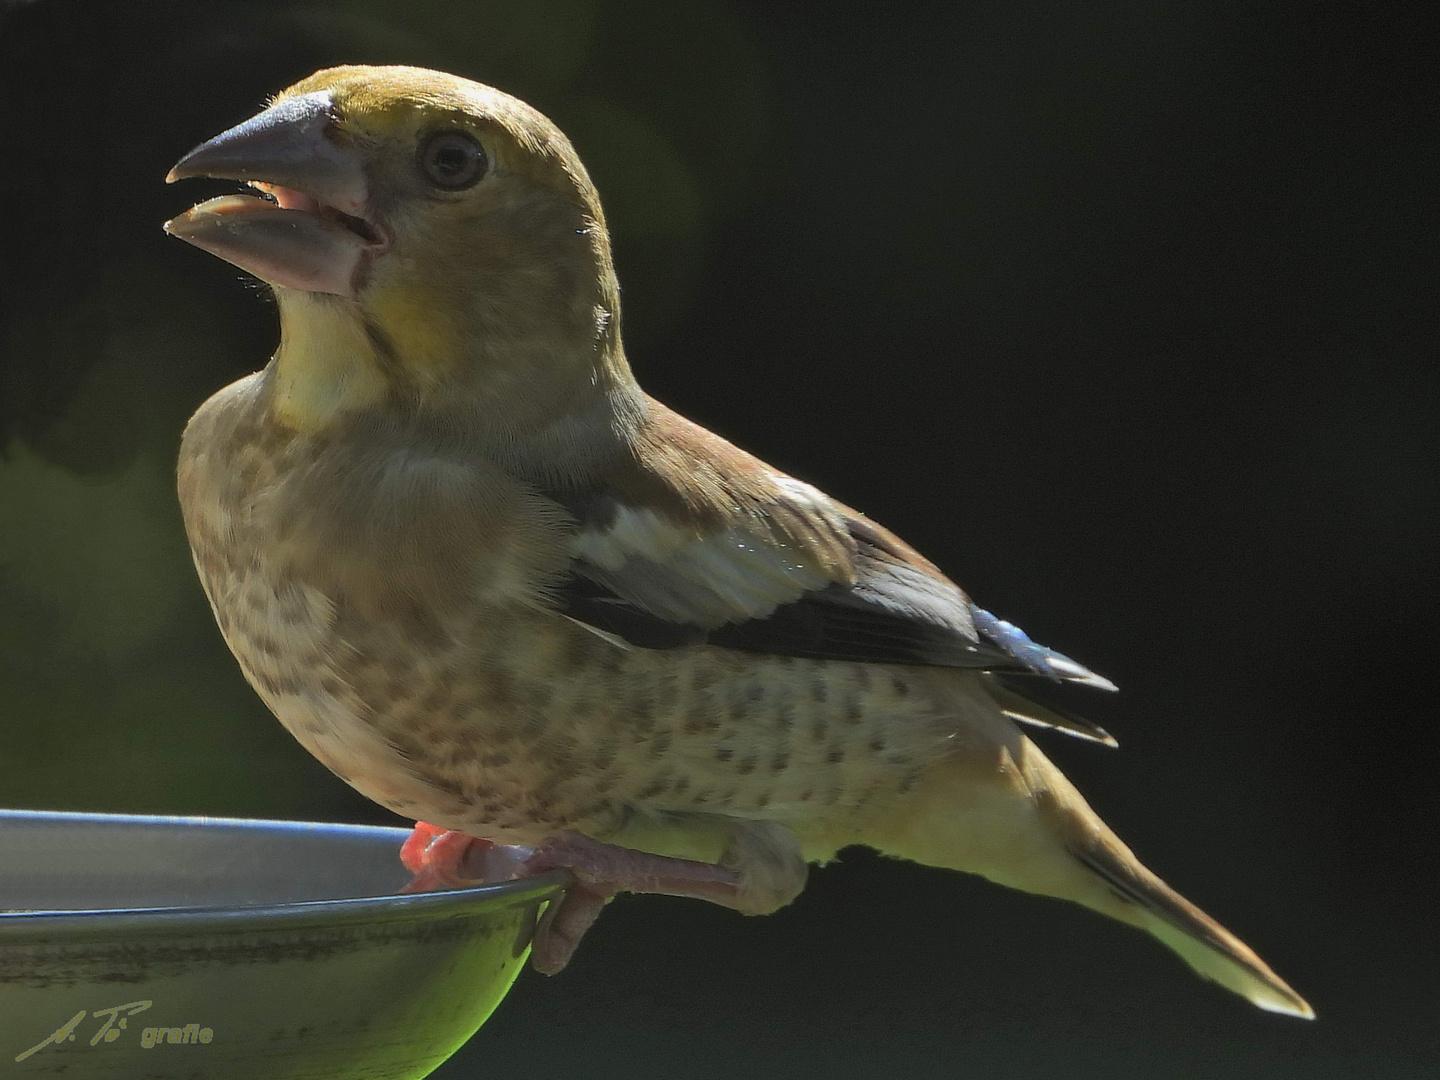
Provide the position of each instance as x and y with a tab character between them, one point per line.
32	924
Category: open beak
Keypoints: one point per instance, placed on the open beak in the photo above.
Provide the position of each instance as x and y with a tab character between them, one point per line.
315	236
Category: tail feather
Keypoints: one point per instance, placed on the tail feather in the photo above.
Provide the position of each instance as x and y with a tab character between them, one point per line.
1025	710
1211	950
1002	810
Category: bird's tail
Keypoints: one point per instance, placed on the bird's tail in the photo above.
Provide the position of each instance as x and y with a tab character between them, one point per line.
1008	814
1139	897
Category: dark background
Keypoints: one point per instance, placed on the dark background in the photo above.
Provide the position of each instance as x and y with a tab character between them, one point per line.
1123	312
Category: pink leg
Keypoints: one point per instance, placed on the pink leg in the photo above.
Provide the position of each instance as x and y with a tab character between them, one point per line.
441	859
602	870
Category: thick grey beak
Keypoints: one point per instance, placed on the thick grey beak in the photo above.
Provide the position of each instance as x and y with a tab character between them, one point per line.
288	145
315	237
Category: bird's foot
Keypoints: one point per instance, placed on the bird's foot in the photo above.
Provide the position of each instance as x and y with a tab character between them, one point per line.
600	871
441	859
445	859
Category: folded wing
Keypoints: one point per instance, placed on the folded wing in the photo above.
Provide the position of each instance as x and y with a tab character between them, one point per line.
695	542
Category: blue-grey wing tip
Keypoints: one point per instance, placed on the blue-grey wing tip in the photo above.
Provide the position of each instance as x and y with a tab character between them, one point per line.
1033	656
1071	672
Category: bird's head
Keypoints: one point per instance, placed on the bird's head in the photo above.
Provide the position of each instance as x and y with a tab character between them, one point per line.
429	239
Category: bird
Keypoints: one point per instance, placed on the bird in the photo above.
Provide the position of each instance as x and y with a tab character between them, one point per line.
497	588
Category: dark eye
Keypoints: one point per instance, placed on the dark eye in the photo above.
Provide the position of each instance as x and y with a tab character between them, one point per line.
452	160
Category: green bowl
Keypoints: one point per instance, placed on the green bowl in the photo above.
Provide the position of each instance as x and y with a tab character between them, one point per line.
203	948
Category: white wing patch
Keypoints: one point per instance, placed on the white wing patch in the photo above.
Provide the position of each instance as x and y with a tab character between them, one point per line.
633	534
705	581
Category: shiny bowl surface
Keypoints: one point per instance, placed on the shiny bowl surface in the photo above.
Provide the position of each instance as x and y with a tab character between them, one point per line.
203	948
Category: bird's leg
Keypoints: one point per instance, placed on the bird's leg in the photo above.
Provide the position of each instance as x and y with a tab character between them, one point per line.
626	870
445	859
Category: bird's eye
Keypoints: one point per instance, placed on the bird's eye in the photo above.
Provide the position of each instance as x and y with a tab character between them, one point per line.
452	160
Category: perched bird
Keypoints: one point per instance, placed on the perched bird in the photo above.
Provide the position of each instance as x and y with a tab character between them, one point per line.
491	584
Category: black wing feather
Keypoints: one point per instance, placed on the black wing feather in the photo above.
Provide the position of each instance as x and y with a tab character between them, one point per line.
836	623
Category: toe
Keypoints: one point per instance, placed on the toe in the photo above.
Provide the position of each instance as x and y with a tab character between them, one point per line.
444	859
564	925
412	852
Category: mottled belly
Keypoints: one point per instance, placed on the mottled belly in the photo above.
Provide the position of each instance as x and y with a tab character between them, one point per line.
515	724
